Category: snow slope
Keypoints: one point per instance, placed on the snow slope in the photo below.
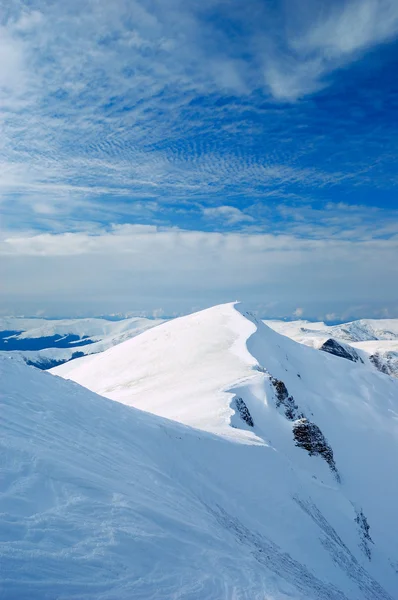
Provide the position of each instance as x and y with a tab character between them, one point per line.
103	501
52	337
183	364
194	369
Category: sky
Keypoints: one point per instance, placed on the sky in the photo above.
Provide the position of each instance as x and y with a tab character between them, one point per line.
162	156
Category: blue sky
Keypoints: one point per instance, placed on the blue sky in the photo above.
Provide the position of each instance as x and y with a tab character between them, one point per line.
163	156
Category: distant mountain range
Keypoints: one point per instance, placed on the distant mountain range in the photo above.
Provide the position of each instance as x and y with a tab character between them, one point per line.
373	341
47	343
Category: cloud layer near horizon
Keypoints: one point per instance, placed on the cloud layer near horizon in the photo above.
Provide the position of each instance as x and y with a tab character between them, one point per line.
176	271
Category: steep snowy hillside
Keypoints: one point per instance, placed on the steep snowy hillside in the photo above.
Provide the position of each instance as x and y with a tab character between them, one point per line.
45	343
334	421
102	501
372	341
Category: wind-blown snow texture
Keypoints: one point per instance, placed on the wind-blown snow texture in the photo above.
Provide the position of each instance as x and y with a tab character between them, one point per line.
101	500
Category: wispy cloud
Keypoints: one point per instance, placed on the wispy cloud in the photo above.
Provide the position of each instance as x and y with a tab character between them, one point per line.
228	214
338	220
123	99
322	37
187	115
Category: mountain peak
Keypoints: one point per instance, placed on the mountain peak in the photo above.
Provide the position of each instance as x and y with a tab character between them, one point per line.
275	491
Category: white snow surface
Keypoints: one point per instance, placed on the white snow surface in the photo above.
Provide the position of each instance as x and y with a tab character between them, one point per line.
101	334
354	331
372	337
101	500
91	327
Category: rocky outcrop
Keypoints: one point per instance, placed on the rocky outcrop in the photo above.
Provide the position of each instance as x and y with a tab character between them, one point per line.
342	350
283	398
364	527
379	363
244	412
308	436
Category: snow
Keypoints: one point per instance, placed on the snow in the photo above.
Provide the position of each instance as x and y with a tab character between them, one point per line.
100	335
370	336
170	370
90	327
385	352
101	500
354	331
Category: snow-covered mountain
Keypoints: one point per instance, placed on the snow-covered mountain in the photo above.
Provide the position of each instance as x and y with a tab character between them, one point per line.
273	477
372	341
355	331
45	343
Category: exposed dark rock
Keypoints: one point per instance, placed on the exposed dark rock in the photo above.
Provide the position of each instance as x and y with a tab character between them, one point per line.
44	363
309	437
244	412
379	364
344	351
365	536
281	390
283	398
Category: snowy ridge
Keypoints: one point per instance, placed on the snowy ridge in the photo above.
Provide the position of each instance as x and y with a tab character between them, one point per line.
242	506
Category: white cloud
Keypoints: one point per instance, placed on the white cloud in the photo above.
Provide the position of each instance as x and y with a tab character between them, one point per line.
298	312
129	267
340	220
322	37
331	317
228	214
352	26
60	65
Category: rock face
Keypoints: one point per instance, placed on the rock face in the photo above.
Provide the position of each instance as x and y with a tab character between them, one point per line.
344	351
284	399
365	536
306	434
309	437
244	412
386	362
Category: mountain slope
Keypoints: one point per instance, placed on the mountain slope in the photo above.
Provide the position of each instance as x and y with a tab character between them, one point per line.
104	501
199	369
179	370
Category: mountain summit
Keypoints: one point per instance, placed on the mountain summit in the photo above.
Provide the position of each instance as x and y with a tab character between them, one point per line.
273	475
